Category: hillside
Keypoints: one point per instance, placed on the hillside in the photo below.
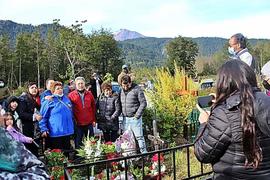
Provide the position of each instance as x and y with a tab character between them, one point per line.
136	49
12	29
150	51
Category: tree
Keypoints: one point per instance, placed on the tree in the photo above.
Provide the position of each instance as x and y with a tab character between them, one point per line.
182	51
104	53
39	52
262	53
26	58
73	43
6	60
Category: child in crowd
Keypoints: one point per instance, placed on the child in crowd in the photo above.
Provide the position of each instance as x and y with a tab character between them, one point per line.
12	107
9	119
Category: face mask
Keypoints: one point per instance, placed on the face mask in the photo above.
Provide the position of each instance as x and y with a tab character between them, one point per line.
266	85
231	51
2	84
57	95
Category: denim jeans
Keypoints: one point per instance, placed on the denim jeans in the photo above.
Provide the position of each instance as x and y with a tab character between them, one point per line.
81	132
136	126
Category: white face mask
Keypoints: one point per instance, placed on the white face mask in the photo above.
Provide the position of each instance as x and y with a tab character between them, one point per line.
59	95
2	84
231	51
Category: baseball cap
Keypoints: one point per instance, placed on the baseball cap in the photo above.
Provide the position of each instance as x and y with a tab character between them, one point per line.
124	66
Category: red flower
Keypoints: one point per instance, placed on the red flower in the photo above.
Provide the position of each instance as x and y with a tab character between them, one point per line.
62	177
155	158
114	163
69	171
56	150
100	175
109	143
111	155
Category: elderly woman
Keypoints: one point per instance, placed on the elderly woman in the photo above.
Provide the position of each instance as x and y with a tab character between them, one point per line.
108	111
57	123
235	136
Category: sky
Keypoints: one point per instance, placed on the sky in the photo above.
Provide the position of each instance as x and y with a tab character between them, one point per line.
155	18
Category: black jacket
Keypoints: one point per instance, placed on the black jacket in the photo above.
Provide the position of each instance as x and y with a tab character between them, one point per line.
26	108
220	140
108	111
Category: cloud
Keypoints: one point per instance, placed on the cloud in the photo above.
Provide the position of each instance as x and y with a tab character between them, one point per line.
157	18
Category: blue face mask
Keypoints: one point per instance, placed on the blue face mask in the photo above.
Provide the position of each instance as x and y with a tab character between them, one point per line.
231	51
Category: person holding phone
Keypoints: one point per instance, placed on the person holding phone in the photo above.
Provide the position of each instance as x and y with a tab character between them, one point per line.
235	136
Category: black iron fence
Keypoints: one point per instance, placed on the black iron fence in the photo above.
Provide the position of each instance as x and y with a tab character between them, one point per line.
176	168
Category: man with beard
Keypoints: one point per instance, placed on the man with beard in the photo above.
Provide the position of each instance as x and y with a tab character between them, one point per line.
133	104
84	109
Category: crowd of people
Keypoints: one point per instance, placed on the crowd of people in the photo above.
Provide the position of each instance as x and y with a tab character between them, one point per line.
234	136
62	114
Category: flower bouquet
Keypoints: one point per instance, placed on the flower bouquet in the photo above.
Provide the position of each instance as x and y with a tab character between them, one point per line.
109	149
91	149
55	162
154	171
126	144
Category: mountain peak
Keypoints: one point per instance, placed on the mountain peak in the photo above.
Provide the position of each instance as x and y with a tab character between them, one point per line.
124	34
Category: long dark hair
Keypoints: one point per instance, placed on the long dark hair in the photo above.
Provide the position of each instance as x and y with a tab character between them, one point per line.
236	76
6	116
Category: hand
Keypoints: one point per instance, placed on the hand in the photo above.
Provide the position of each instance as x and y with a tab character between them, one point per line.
215	97
204	115
48	98
38	117
31	140
94	124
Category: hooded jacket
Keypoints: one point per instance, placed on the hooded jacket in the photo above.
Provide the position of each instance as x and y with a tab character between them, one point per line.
219	141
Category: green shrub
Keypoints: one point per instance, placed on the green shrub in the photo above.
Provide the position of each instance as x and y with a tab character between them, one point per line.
172	102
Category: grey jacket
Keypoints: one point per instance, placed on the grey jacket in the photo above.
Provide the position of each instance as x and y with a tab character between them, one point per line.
133	102
221	140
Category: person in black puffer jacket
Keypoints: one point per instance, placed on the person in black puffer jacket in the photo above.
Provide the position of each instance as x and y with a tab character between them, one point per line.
108	111
235	137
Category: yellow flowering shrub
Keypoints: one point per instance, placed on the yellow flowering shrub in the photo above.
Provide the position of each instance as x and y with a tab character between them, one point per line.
171	100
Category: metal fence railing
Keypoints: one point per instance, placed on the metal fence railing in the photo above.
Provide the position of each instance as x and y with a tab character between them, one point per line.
170	153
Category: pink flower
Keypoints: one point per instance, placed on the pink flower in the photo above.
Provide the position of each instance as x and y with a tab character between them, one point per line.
155	158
